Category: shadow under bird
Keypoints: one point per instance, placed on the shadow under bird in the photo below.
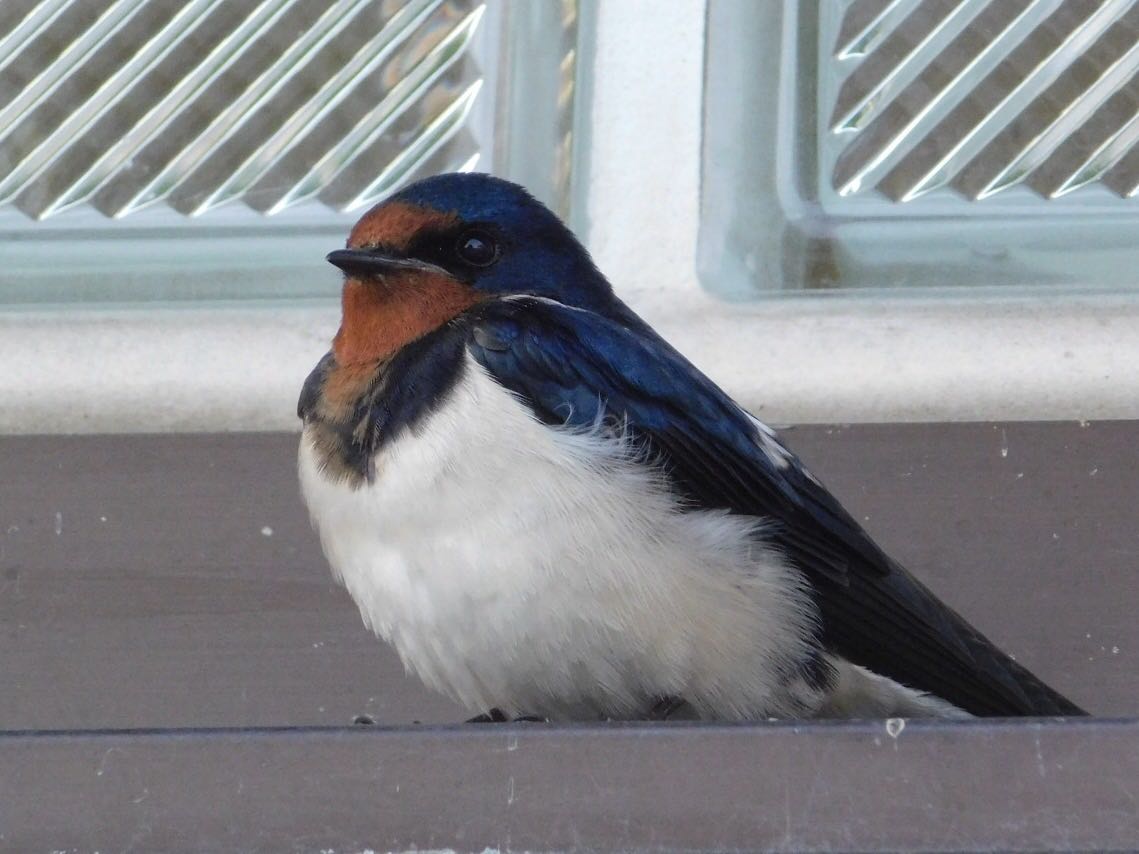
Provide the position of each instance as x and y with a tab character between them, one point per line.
548	511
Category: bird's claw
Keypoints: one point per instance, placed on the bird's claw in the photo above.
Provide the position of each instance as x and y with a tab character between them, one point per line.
497	716
669	708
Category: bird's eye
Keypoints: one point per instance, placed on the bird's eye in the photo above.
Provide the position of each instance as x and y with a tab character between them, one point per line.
477	248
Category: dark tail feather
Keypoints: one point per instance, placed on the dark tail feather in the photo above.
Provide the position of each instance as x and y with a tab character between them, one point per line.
1033	699
899	629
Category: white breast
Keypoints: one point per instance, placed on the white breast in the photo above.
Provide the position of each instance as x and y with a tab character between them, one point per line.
549	572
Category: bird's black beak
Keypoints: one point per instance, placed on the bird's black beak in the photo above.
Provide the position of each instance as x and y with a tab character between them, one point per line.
363	262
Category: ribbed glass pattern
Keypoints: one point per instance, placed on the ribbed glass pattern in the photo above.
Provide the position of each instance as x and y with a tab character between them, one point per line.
189	150
976	97
123	104
919	144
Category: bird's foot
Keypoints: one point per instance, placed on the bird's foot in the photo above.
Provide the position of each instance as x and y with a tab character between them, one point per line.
497	716
670	708
494	716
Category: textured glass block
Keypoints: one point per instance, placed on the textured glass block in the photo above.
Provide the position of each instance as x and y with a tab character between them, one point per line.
925	142
933	97
129	125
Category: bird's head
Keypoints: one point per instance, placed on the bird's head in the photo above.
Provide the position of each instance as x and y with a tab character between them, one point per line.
440	246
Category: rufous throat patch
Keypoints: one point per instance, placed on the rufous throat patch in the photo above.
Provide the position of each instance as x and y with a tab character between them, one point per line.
380	316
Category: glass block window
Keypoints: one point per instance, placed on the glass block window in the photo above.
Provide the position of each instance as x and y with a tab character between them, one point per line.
217	148
918	143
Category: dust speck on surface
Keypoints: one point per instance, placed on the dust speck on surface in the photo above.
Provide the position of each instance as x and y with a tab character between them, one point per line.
894	727
58	523
266	531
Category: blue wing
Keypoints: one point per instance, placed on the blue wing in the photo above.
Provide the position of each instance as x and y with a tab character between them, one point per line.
573	367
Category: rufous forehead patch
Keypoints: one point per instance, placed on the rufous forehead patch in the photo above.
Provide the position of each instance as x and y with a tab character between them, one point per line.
394	224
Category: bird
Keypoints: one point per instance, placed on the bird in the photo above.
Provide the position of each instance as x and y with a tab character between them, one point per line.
551	514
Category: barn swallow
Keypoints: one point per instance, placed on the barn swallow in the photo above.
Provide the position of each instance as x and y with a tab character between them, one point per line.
548	511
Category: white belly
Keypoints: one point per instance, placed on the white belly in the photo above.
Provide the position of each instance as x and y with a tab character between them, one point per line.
544	571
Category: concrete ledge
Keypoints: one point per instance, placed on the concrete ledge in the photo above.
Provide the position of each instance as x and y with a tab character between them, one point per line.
839	359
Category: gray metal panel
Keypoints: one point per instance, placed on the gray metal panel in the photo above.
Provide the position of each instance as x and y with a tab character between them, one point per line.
184	588
1009	787
160	602
173	581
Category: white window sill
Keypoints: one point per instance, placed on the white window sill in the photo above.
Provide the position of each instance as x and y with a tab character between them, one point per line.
838	359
